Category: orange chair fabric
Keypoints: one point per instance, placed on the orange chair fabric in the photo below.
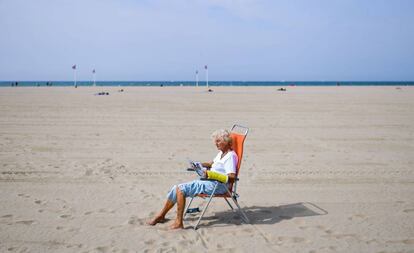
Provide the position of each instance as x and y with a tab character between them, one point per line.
238	141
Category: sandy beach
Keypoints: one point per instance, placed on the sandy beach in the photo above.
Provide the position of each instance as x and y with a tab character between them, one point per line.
326	169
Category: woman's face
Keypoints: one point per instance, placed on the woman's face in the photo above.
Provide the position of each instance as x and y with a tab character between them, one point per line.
222	144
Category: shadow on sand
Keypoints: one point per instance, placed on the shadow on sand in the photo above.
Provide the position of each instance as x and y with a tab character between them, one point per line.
263	214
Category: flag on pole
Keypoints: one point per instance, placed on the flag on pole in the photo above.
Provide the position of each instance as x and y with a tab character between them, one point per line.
205	66
94	78
74	66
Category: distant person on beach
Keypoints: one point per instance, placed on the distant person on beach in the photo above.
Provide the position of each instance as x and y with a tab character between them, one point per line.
224	164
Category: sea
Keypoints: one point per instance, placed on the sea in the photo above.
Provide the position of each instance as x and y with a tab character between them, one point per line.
211	83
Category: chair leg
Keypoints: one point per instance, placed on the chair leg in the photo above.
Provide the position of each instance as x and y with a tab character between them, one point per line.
188	206
229	204
244	216
205	209
241	211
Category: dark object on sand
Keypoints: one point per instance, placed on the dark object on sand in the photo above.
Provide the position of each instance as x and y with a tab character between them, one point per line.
281	89
101	93
193	210
210	90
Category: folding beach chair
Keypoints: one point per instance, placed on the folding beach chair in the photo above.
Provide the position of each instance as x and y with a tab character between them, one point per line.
238	134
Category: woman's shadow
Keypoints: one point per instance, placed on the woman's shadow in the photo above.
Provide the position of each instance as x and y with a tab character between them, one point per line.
264	214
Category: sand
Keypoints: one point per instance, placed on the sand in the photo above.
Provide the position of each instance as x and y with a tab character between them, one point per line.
326	169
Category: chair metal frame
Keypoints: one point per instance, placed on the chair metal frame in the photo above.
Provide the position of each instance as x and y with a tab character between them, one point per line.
231	191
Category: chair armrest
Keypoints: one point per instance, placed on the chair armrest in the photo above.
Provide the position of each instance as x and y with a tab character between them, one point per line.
206	179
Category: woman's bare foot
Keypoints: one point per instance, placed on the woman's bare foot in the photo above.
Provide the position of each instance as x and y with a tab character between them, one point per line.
157	219
177	225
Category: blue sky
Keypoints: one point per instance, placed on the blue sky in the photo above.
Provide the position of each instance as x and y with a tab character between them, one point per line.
244	40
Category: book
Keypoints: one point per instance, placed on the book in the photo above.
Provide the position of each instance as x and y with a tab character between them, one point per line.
197	167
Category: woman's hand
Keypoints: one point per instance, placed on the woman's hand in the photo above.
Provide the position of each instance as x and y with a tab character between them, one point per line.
207	164
232	177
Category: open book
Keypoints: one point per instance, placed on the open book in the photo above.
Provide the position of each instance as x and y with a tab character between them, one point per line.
197	167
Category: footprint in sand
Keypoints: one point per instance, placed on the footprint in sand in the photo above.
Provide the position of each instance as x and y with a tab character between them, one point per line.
23	195
104	210
320	227
40	202
25	222
74	246
65	216
357	217
133	220
149	242
343	236
146	195
406	241
285	239
7	216
371	241
102	249
408	210
304	227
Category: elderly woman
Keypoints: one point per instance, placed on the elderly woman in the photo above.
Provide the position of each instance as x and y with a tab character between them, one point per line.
223	165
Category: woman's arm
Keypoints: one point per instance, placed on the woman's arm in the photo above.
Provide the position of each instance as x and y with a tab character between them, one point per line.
229	178
207	165
232	177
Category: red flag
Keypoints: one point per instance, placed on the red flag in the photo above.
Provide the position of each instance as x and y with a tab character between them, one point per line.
74	66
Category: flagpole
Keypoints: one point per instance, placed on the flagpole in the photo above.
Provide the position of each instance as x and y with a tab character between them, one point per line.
196	78
74	74
94	77
206	75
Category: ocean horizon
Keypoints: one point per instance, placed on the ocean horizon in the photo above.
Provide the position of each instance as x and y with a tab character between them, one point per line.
211	83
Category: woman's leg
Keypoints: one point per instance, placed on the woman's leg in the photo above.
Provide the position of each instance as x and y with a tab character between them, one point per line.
178	223
178	194
188	190
169	203
160	217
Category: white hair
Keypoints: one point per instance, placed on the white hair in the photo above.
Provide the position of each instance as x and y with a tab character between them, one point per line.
222	134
